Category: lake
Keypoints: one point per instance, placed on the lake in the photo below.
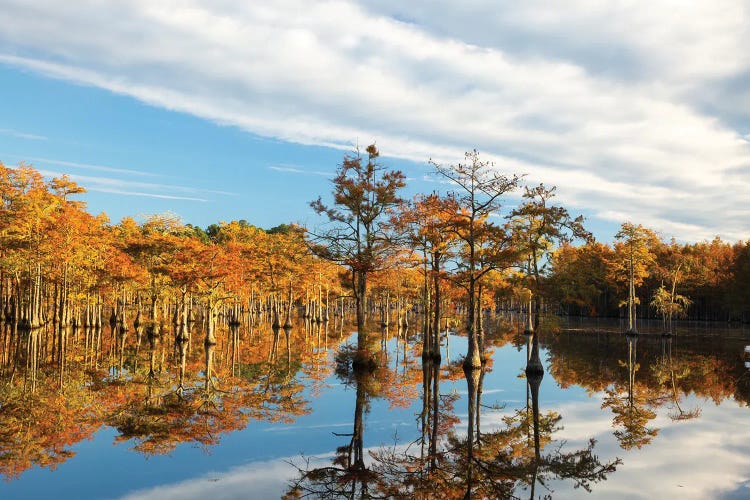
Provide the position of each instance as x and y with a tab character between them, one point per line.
262	416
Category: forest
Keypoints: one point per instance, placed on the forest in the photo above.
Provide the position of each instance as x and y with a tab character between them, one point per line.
60	264
90	303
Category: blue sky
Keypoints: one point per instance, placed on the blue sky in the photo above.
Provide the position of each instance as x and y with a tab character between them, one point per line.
137	159
219	111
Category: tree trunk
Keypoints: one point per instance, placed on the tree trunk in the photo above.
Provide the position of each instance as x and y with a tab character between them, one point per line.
436	312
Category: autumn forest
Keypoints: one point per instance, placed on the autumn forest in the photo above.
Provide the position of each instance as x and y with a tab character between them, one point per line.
170	333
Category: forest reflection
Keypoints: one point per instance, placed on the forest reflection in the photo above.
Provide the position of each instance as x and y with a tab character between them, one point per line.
163	387
156	389
520	452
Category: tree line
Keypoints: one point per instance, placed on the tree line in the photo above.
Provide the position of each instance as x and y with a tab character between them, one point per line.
438	257
707	281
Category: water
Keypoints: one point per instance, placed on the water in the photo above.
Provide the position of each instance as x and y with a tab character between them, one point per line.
668	418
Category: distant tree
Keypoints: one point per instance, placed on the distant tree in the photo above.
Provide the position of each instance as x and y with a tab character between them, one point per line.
669	304
213	230
579	277
198	232
673	264
283	229
633	257
738	289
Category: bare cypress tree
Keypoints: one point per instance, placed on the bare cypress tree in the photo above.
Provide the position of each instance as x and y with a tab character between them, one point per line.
358	234
479	191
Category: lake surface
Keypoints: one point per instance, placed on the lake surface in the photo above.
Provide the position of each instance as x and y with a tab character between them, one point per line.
643	417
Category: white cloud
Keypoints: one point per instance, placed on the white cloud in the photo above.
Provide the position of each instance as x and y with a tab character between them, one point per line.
263	479
702	458
22	135
146	195
713	461
298	170
137	188
88	166
606	101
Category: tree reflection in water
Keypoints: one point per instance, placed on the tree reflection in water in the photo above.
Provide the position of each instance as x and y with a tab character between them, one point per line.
629	403
348	476
442	463
214	404
173	388
179	395
522	453
668	372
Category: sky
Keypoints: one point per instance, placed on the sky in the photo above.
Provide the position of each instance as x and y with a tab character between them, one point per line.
220	110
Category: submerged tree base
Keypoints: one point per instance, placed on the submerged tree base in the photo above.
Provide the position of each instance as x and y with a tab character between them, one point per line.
631	333
364	362
352	362
432	356
534	370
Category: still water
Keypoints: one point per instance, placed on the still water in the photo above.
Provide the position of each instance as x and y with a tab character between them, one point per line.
643	417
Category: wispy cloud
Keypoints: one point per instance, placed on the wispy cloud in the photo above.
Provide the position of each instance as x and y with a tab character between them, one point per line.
136	188
711	466
22	135
297	170
127	186
263	479
618	106
100	168
147	195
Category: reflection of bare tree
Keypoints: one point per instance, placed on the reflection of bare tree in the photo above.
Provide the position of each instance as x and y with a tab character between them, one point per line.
519	456
509	465
631	410
668	372
430	417
424	467
473	380
182	348
348	476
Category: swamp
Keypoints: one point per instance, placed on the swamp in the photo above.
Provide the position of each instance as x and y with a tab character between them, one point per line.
422	348
272	412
